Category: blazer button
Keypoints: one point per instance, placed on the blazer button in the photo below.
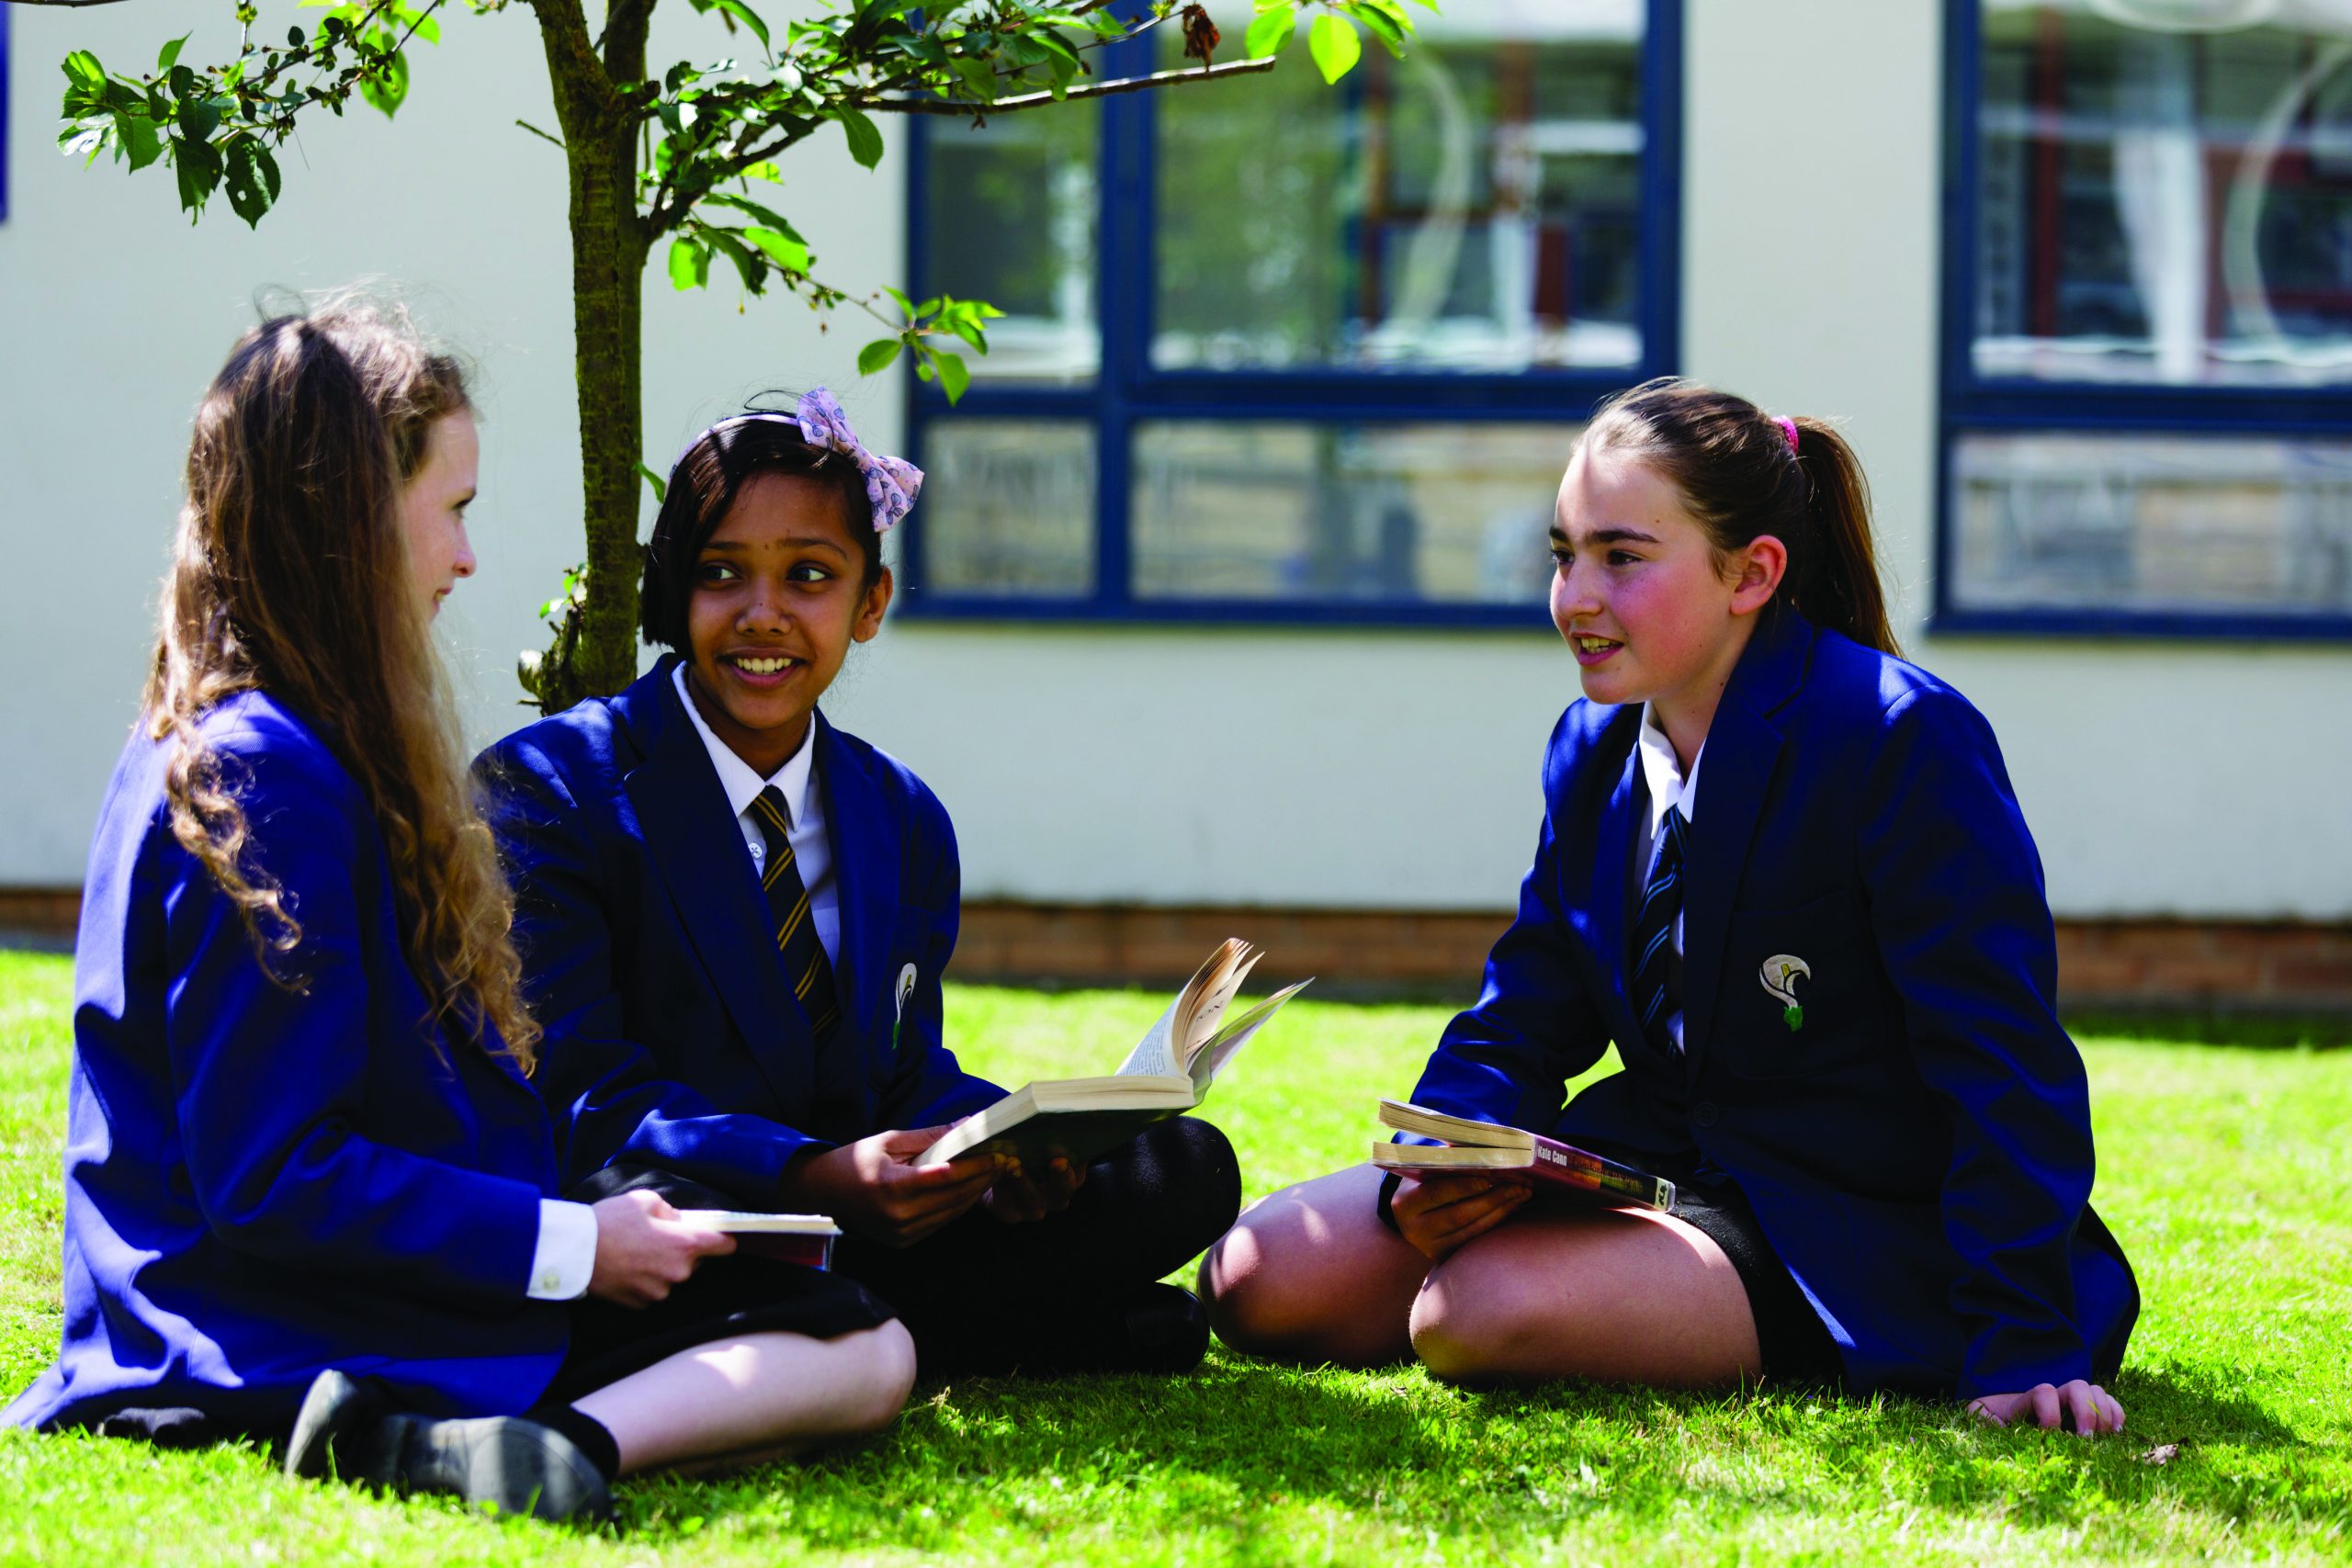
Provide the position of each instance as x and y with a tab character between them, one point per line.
1704	1113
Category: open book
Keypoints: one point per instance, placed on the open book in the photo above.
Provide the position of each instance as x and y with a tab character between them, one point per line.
1165	1075
1491	1150
805	1239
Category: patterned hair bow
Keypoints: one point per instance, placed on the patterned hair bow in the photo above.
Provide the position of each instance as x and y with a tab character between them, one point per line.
891	483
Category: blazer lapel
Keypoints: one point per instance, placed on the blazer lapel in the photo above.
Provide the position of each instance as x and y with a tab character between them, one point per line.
1605	906
866	859
692	838
1735	769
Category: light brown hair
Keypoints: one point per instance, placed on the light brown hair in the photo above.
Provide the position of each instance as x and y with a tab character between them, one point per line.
290	575
1740	477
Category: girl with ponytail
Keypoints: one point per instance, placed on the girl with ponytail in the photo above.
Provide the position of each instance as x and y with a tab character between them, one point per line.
1828	974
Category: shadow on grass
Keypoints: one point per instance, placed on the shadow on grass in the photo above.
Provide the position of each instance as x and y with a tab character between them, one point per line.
2276	1030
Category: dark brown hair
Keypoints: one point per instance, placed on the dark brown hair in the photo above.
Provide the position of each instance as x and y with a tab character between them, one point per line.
704	484
1740	479
290	575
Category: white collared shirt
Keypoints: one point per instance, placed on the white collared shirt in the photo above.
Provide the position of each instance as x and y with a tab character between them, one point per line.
1667	788
812	851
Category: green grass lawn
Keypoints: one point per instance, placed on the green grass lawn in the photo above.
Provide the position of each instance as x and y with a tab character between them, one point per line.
2224	1170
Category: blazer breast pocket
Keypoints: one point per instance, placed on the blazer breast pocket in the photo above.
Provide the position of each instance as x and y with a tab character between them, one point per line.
1801	991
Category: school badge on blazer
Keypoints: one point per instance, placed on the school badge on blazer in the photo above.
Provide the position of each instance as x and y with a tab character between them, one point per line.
906	989
1780	976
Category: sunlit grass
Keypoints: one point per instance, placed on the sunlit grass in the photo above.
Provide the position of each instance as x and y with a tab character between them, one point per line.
2224	1171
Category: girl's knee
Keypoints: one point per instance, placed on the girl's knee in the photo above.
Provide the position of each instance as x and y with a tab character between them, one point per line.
886	1375
1468	1328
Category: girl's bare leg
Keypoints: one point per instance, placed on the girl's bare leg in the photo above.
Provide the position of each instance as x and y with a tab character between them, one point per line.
1613	1296
761	1395
1311	1275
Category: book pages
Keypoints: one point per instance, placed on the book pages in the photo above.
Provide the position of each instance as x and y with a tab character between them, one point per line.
1169	1043
1156	1054
1231	967
1234	1035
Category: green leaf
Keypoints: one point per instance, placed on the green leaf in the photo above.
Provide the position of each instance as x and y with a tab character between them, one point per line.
387	89
954	375
877	354
136	135
660	494
250	177
689	263
765	171
1270	32
1390	30
197	168
198	118
978	80
782	249
1333	42
171	53
767	215
82	67
865	141
745	14
748	265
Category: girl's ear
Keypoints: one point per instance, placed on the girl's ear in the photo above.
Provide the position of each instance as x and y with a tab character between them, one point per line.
1761	563
869	609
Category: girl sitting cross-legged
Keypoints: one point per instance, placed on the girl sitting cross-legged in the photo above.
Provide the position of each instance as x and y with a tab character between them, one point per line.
734	921
1785	873
303	1155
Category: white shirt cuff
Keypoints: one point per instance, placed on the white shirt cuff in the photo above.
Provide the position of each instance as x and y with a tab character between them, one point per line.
565	1256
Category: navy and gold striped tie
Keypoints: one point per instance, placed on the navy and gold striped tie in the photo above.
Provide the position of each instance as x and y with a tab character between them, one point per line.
1657	969
805	963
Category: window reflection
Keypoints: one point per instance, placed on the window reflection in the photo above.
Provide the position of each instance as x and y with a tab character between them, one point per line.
1011	214
1474	206
1008	508
2152	523
1395	513
2166	191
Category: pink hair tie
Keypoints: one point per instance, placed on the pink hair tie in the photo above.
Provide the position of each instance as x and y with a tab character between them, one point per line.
1788	428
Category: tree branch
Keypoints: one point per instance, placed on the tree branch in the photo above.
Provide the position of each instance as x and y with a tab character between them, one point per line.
555	141
1094	90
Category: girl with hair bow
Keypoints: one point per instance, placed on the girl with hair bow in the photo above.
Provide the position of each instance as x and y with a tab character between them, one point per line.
735	919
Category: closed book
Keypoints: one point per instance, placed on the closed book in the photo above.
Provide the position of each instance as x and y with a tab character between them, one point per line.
805	1239
1494	1150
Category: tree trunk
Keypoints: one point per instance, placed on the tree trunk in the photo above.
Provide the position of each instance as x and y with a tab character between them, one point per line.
608	249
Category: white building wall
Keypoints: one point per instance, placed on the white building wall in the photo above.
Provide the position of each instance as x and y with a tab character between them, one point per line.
1332	768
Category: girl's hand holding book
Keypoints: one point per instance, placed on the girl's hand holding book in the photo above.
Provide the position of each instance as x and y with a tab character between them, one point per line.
1438	1214
2085	1408
643	1249
1018	1196
871	1188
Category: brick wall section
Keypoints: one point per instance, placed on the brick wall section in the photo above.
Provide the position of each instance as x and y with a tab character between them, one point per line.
2127	964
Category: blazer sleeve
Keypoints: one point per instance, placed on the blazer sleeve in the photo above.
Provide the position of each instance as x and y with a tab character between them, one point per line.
610	1096
272	1085
1963	929
928	1086
1535	1024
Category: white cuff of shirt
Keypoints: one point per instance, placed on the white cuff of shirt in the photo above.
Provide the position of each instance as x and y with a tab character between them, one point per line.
565	1256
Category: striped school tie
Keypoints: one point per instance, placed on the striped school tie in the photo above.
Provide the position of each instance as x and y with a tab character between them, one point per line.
1657	968
796	927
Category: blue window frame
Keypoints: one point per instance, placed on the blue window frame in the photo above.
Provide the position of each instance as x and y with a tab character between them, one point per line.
4	114
2147	408
1167	454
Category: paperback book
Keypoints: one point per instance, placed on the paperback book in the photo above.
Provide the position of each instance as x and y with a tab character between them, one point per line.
1492	1150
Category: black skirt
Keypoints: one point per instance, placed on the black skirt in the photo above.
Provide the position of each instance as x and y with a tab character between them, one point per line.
725	1299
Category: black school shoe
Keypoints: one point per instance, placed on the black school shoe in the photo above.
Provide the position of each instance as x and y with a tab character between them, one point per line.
516	1466
1160	1328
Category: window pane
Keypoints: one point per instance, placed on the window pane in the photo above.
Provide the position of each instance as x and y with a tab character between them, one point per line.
1472	206
2166	192
1010	208
1394	513
1008	508
2153	523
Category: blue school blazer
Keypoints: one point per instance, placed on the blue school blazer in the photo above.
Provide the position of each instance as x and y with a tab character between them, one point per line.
1918	1150
262	1183
673	1036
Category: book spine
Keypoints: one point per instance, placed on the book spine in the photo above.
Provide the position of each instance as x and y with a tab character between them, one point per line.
1589	1173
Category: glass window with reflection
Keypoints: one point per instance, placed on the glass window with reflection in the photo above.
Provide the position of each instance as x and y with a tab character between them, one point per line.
2157	352
1277	350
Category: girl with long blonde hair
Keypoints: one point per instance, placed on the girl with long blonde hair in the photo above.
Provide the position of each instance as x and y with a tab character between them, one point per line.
308	1184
